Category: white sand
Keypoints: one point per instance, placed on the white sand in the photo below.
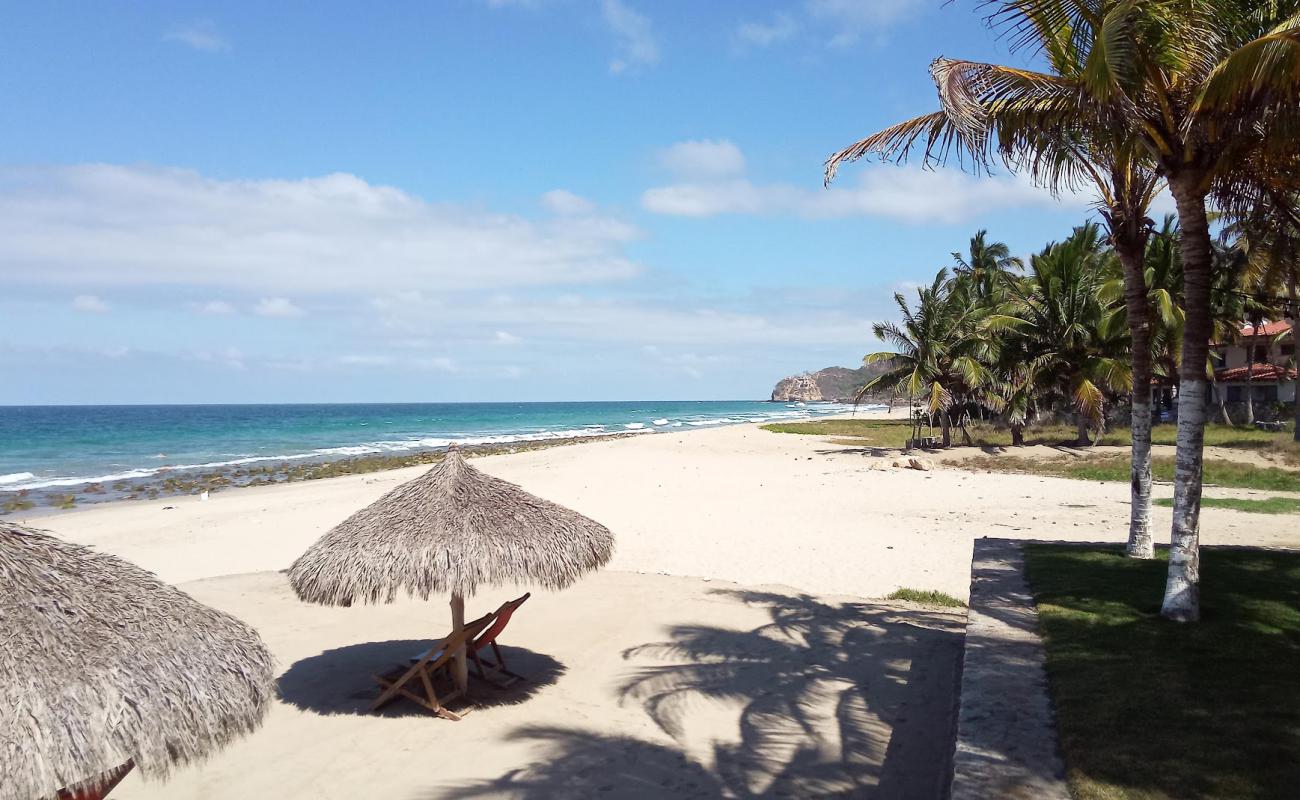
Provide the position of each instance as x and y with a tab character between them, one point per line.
735	503
873	682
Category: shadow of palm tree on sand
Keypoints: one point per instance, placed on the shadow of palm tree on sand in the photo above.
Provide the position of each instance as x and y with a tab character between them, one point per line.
853	699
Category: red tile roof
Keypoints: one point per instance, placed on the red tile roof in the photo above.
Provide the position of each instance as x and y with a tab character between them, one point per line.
1267	329
1261	372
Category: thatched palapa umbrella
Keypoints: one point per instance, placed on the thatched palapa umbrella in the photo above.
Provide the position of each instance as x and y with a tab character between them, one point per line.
453	529
103	666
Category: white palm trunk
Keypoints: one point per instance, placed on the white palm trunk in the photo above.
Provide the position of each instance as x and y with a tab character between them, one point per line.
1182	588
1140	544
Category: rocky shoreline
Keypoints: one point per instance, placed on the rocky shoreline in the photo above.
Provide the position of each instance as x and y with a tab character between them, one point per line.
176	483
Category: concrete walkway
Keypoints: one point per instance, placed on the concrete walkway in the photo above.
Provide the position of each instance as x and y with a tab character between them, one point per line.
1006	729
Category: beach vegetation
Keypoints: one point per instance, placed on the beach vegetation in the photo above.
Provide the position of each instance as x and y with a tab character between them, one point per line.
882	433
929	597
1268	505
941	348
1218	702
1218	472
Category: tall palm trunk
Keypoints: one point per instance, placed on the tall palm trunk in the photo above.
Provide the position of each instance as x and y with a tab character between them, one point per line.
1182	601
1295	352
946	422
1139	320
1081	426
1250	372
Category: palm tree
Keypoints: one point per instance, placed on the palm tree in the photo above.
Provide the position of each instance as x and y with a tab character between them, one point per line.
985	266
1205	89
1108	160
935	357
1070	353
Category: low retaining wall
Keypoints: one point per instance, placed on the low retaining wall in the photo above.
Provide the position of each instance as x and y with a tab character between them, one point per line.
1006	730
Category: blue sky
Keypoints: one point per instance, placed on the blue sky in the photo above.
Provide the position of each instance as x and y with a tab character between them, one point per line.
470	199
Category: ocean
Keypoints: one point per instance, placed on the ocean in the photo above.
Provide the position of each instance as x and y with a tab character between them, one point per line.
67	448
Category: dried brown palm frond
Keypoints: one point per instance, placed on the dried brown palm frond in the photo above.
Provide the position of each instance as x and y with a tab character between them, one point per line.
101	663
452	530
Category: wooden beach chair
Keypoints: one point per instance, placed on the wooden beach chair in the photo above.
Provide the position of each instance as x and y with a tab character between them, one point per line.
489	638
415	682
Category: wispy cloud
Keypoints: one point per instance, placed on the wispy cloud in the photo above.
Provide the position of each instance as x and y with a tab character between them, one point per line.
852	20
906	193
277	307
633	35
199	34
216	308
89	304
562	201
704	157
833	23
761	34
98	225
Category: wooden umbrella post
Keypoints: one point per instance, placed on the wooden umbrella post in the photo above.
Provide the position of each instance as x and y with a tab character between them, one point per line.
460	668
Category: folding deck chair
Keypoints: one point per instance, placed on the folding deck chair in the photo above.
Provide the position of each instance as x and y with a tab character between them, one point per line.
500	620
422	673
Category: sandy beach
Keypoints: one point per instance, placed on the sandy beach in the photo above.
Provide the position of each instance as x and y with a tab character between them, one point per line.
729	648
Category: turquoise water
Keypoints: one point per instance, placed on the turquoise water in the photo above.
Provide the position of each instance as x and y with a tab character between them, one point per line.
42	447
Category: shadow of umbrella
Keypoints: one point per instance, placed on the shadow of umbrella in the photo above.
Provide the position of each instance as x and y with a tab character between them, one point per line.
340	681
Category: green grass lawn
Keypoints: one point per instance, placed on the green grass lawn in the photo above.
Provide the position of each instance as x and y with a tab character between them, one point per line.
1153	710
893	433
1270	505
1115	467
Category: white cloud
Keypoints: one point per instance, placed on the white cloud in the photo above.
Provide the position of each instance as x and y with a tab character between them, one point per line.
637	46
761	34
277	307
564	202
704	158
438	363
910	194
90	304
505	337
851	20
103	225
671	322
200	35
217	308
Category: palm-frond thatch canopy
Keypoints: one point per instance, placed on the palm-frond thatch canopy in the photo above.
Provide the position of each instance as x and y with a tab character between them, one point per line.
451	530
102	664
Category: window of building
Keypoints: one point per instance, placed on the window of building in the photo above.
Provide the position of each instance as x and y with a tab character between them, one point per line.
1265	394
1261	353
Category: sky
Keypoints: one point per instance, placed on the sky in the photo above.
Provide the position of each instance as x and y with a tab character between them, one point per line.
469	200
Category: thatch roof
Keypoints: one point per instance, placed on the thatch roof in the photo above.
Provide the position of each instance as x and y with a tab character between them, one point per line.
101	663
452	529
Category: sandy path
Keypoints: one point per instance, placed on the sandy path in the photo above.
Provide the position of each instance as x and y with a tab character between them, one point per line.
737	503
873	682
